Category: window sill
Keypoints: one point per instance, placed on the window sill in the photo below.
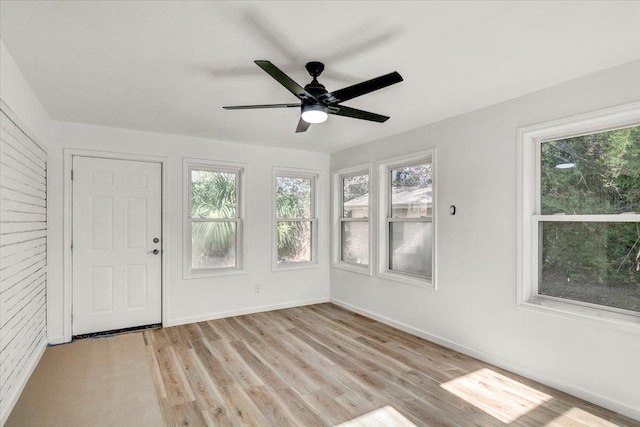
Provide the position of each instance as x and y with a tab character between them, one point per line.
364	270
599	316
407	280
295	266
202	274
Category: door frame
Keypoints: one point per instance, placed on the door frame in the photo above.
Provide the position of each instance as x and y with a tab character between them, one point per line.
67	275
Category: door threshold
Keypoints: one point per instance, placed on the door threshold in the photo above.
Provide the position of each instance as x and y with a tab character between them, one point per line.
112	332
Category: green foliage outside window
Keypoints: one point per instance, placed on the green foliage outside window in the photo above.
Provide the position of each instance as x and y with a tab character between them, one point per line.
213	196
293	201
596	262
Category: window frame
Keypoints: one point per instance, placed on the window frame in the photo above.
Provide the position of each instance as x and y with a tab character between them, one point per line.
313	218
239	169
529	218
338	212
385	219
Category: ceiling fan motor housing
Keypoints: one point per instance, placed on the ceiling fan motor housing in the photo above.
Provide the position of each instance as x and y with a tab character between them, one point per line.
315	88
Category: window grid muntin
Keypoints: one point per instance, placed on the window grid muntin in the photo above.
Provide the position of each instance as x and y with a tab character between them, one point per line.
389	166
238	172
344	219
312	220
537	218
528	192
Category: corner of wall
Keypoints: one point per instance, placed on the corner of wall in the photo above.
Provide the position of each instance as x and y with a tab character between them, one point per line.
18	96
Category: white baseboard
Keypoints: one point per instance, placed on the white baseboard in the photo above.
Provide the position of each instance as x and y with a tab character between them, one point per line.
516	368
243	311
17	391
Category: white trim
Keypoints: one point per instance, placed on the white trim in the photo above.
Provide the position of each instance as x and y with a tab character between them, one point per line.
314	176
585	312
189	164
68	154
625	217
383	167
528	201
243	311
516	368
59	339
17	391
337	177
582	124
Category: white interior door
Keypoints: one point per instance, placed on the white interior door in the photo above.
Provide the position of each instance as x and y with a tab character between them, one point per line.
116	229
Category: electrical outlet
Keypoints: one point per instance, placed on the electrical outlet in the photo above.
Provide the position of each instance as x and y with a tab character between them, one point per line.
258	287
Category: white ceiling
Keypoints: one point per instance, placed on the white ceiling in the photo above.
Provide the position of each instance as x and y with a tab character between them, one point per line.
170	66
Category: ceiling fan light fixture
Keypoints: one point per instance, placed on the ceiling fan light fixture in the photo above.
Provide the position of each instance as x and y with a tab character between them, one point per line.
314	113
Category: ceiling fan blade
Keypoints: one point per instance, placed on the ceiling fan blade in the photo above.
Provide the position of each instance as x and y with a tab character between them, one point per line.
350	92
357	114
302	126
248	107
285	80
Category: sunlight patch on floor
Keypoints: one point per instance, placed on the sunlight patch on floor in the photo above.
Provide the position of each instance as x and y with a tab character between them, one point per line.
497	395
386	416
579	416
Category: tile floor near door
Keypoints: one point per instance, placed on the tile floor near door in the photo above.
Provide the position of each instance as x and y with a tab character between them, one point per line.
96	382
324	366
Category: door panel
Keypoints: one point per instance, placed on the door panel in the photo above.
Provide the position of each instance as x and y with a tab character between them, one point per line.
116	216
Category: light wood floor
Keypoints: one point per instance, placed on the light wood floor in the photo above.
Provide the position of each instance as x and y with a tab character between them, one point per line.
321	365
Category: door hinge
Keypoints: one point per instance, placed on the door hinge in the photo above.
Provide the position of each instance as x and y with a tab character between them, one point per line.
72	246
72	317
71	174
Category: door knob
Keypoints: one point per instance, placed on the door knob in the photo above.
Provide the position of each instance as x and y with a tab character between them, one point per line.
155	252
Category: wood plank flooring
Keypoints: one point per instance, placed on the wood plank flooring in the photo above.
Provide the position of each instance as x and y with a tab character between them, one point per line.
321	365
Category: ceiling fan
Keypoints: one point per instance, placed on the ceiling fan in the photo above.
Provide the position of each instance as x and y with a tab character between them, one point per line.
316	103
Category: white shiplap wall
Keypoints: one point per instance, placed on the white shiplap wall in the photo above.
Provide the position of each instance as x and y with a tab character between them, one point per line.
23	257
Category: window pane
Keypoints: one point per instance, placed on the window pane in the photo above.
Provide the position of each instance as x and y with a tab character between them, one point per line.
592	174
410	246
213	194
355	242
355	196
293	197
593	262
294	241
213	244
411	195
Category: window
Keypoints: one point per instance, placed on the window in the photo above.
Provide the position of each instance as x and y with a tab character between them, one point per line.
352	212
407	226
580	203
214	217
295	220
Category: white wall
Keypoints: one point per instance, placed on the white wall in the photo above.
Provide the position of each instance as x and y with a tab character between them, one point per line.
18	96
474	309
202	298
